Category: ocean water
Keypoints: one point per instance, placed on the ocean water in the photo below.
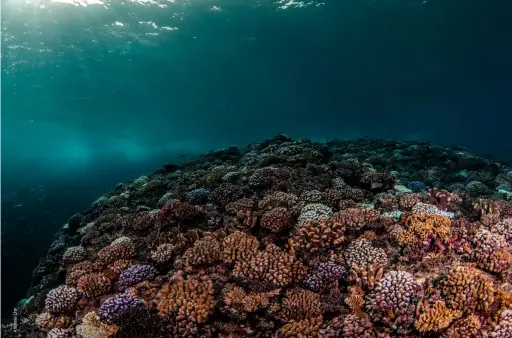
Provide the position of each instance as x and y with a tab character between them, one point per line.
97	92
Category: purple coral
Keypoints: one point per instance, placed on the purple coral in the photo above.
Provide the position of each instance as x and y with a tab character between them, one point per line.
114	307
61	299
136	274
324	276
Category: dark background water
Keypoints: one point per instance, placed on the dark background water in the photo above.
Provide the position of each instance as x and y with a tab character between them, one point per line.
98	94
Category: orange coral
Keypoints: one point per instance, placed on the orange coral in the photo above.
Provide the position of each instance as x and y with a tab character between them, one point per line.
436	317
315	235
239	246
366	275
94	285
236	297
272	265
355	302
190	300
467	289
422	227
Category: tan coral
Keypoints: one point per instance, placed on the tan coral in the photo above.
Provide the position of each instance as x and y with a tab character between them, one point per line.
93	327
366	275
305	328
206	251
467	327
315	235
114	252
271	265
301	305
354	219
467	289
236	297
355	302
188	300
239	246
436	317
78	270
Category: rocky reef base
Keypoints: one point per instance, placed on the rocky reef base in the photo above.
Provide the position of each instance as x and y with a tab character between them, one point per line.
287	238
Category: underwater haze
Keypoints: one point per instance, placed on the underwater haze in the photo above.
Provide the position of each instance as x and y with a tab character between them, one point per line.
96	92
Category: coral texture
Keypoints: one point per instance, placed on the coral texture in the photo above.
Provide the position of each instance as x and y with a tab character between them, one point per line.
284	238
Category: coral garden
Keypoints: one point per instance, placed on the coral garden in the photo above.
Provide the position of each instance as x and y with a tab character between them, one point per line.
287	238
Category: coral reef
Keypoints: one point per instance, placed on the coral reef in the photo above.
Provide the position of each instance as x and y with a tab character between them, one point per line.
287	238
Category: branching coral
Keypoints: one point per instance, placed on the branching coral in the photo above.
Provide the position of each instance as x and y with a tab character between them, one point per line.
76	271
114	307
236	300
467	327
277	219
307	328
315	235
188	300
354	219
239	246
325	276
115	252
61	299
93	285
136	274
466	289
392	300
176	212
314	211
163	253
422	227
361	252
492	251
301	305
74	254
46	321
436	317
92	327
504	326
271	265
206	251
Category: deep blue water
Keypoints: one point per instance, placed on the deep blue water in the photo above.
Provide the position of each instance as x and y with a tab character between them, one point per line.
98	92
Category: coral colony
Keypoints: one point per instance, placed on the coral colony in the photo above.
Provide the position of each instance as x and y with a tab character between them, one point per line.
287	238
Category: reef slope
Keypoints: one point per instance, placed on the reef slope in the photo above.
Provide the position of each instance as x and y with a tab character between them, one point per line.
287	238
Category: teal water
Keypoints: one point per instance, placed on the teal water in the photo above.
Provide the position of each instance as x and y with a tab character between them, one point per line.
96	92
